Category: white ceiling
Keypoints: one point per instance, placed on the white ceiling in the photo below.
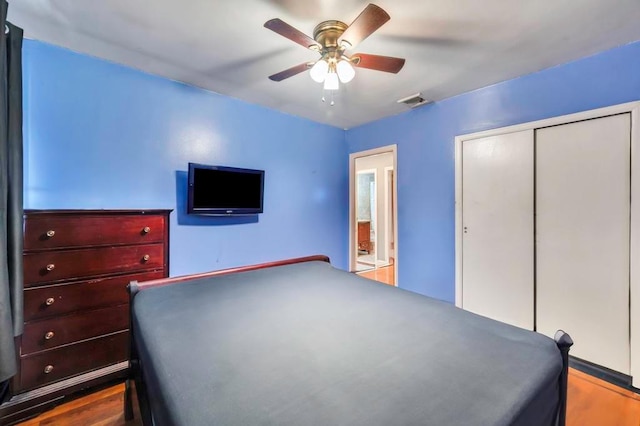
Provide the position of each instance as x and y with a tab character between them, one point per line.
451	47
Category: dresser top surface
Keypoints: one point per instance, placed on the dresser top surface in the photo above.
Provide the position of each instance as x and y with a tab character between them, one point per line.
97	212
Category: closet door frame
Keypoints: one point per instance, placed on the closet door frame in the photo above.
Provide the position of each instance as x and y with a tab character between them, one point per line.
634	109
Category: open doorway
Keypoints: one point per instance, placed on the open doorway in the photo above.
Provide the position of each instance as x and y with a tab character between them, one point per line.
366	218
373	214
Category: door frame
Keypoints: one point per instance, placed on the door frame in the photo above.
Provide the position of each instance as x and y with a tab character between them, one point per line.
634	280
393	149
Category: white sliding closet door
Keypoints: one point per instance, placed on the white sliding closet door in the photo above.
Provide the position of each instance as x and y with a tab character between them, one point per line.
582	236
497	217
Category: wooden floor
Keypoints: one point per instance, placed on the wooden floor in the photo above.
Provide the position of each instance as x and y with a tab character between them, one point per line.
386	274
102	408
591	402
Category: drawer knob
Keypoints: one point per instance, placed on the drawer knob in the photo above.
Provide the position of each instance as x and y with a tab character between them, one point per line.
50	301
51	267
48	369
49	335
146	257
51	233
146	230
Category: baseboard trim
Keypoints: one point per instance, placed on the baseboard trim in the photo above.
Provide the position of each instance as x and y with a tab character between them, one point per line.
603	373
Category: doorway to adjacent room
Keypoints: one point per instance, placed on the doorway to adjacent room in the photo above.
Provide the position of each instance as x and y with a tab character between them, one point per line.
373	214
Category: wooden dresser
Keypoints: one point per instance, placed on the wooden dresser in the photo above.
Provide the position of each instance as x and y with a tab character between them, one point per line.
77	264
364	236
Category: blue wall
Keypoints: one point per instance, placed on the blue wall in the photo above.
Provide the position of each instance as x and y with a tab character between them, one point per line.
425	138
100	135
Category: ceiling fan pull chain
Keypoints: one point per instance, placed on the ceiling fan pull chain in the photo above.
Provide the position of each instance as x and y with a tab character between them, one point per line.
332	102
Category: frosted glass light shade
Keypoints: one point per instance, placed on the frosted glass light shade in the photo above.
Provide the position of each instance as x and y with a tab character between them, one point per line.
319	71
345	71
331	81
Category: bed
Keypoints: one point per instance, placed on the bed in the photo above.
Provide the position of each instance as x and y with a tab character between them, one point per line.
299	342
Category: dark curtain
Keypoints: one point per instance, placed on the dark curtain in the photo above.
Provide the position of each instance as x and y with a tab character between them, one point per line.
10	194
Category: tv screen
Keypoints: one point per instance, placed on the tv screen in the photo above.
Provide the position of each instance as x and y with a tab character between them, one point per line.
224	191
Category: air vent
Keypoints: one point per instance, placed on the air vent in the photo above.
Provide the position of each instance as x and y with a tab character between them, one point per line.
414	101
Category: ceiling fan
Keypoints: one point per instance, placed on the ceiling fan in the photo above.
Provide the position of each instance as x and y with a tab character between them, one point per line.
331	39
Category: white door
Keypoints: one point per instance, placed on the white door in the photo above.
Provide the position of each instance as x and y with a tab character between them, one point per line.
497	220
388	207
582	230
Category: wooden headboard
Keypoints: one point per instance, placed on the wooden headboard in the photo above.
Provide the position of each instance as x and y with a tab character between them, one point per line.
135	287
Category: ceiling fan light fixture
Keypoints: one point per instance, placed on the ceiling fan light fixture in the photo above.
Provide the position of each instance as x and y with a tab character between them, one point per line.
331	81
345	71
319	71
331	39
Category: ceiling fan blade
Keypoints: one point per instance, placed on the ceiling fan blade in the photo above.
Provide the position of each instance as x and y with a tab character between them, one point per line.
371	18
286	30
290	72
378	63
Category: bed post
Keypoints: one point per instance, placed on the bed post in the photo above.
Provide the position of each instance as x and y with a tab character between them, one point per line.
564	342
132	289
135	371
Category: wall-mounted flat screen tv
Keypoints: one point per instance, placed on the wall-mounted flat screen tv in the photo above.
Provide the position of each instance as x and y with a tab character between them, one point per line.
224	191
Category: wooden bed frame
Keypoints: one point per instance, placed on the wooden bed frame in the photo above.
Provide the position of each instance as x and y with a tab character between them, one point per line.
134	287
562	339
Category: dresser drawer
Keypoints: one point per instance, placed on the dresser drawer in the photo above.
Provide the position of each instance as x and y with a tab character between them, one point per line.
44	232
60	299
54	332
56	364
49	266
